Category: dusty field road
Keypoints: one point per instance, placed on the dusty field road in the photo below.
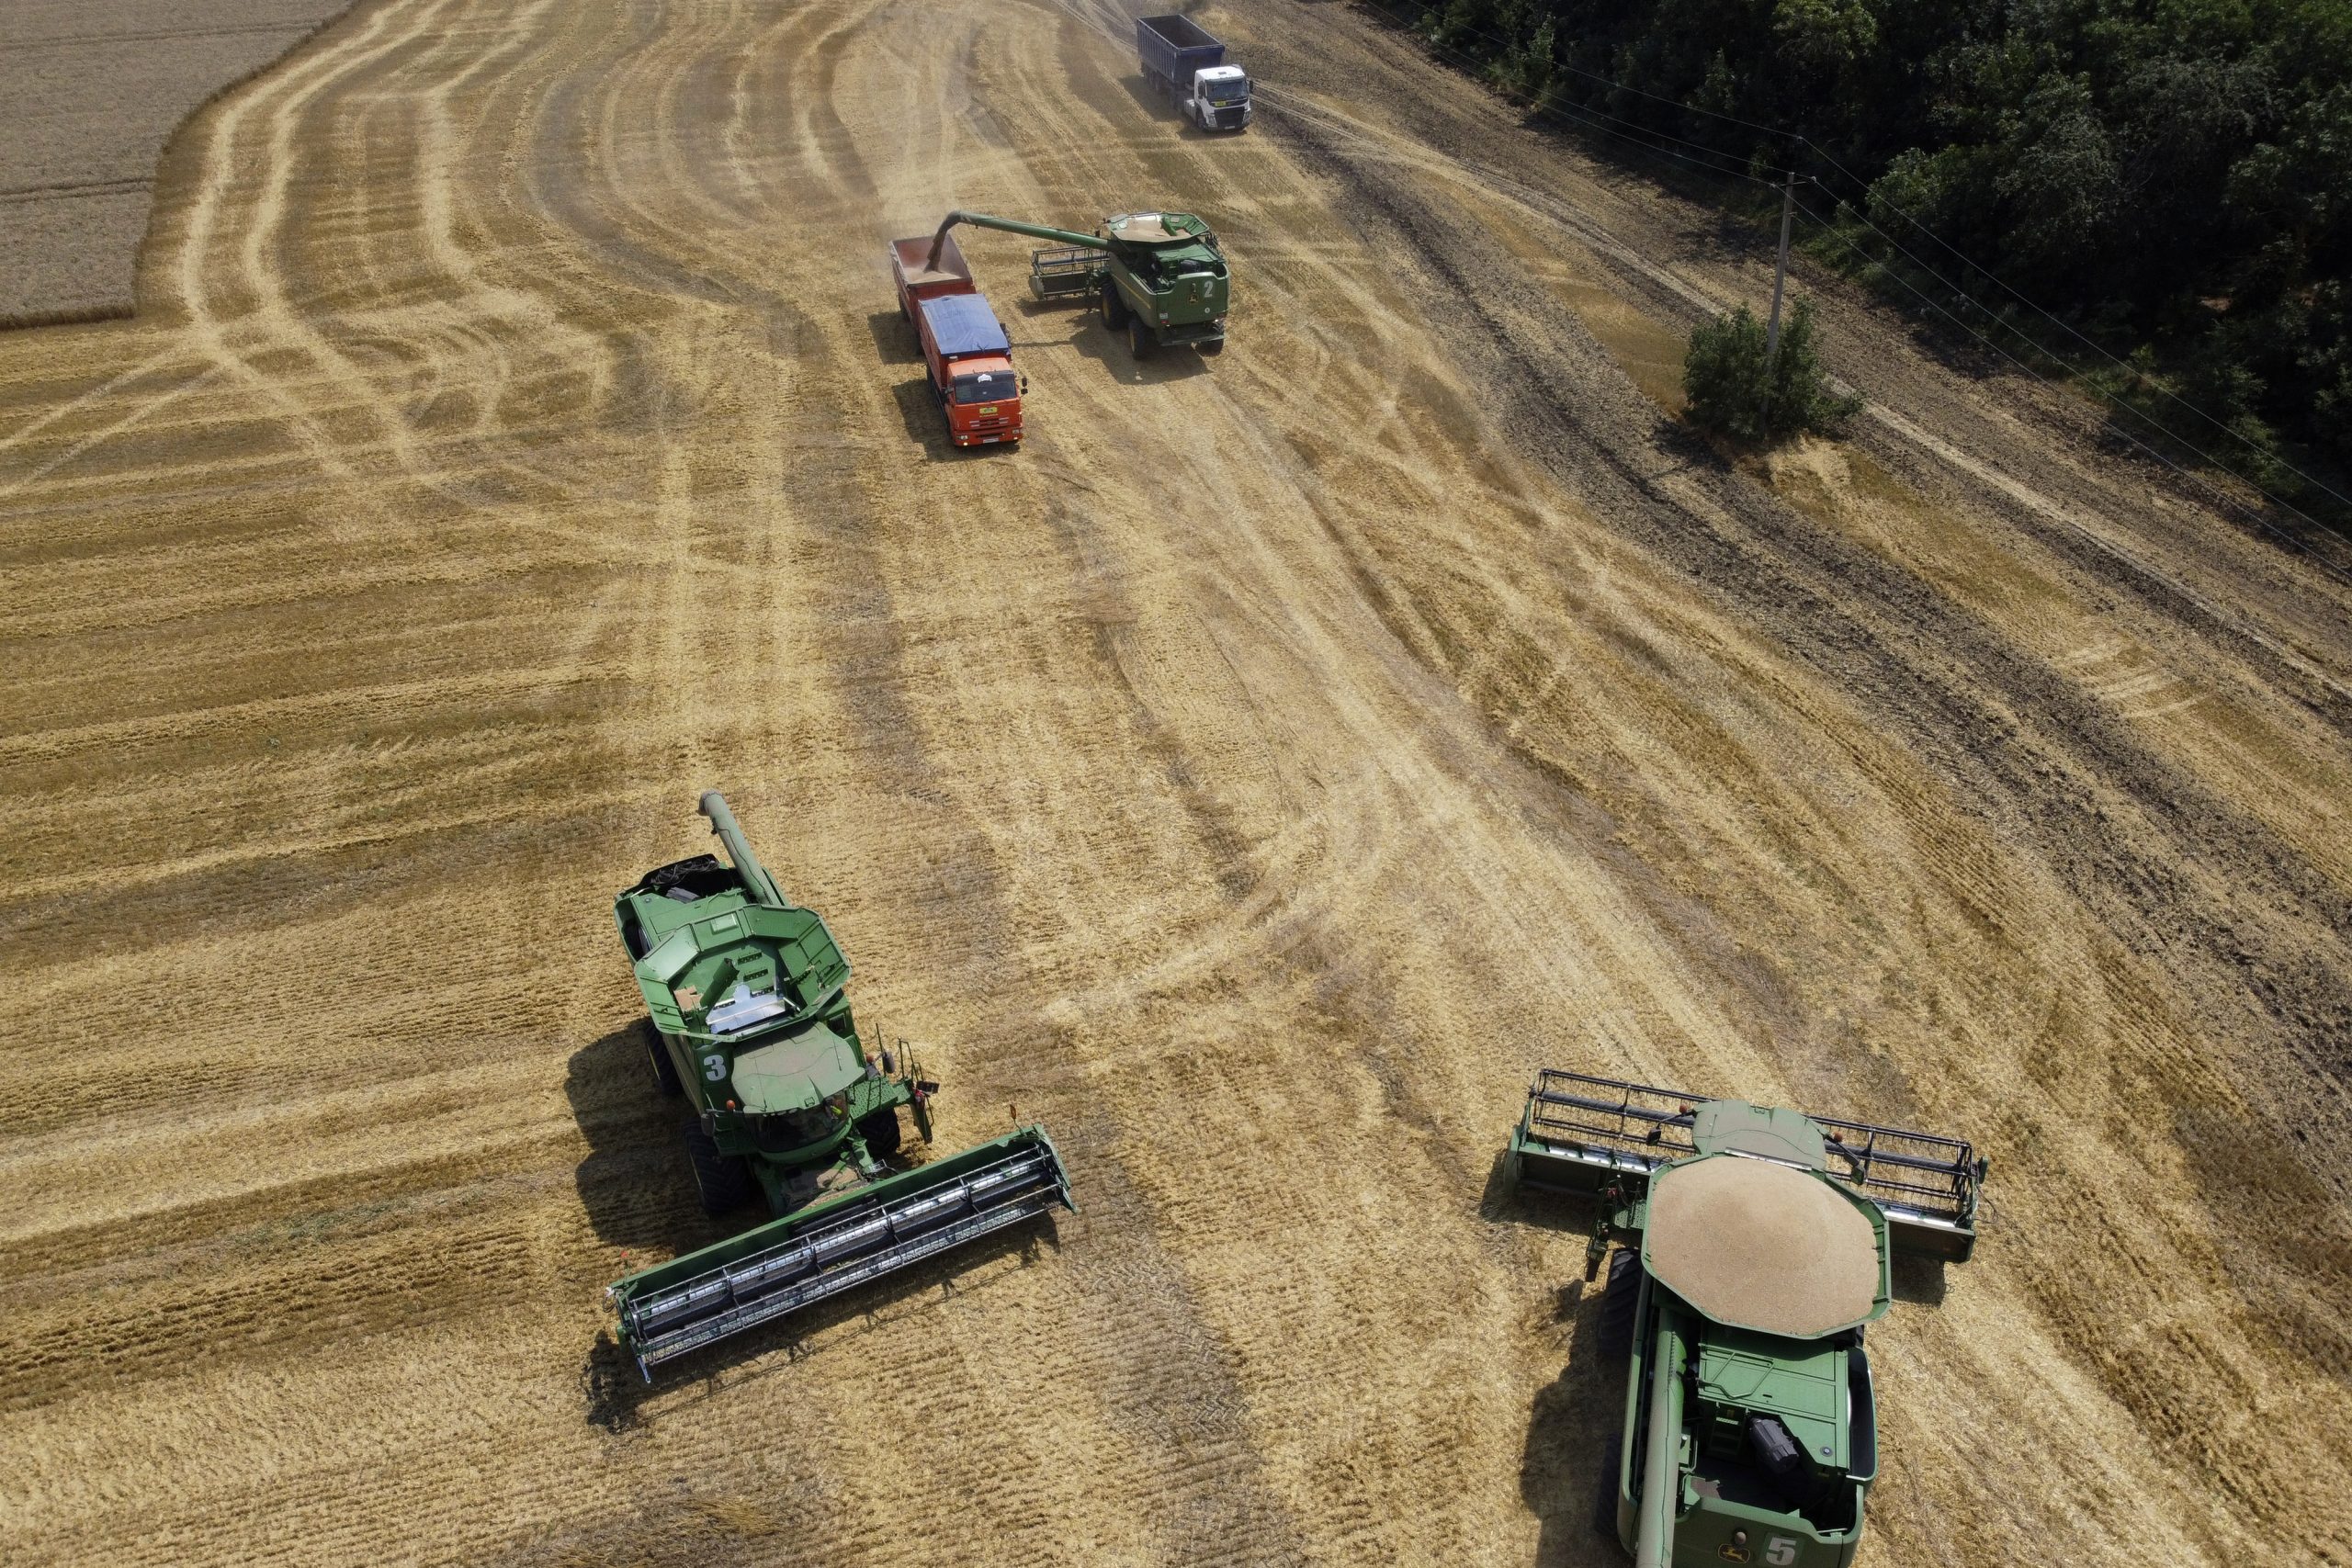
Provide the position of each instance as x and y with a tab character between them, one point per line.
1255	779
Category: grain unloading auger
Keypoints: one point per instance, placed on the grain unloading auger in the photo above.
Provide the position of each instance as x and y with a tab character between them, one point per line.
749	999
1751	1247
1160	277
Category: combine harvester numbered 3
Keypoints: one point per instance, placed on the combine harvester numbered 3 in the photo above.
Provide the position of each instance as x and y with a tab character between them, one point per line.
749	999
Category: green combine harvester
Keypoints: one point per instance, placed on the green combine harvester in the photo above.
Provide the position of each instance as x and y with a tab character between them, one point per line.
1752	1246
748	996
1160	277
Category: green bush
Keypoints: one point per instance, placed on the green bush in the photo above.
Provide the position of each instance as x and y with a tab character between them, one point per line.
1733	388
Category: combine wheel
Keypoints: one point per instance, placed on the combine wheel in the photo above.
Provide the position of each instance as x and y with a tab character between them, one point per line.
1618	1302
1115	310
722	1180
881	1133
665	1071
1213	345
1140	341
1604	1500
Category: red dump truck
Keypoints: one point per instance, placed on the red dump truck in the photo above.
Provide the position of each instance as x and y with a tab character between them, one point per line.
964	346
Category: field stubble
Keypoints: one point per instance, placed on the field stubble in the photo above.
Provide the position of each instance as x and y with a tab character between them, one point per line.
1255	778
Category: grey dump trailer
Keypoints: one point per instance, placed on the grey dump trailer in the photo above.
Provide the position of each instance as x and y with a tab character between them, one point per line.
1185	62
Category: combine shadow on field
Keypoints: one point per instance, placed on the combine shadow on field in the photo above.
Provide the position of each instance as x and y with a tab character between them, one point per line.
635	1183
614	1393
1571	1427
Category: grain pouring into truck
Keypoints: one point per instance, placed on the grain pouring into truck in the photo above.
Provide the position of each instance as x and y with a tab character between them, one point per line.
1159	277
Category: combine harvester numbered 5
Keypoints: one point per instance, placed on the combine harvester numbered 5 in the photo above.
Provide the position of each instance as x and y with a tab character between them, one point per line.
748	995
1751	1247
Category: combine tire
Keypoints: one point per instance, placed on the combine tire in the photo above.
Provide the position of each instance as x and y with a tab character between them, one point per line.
722	1181
1213	345
881	1133
1141	343
1615	1336
1604	1498
665	1071
1115	310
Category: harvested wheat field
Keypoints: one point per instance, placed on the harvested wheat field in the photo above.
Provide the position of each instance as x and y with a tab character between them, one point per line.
1254	778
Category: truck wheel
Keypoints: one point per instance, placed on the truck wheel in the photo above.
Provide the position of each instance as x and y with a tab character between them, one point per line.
665	1071
881	1132
720	1180
1614	1338
1115	310
1140	341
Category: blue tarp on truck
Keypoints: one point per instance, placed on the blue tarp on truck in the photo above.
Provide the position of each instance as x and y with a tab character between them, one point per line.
963	324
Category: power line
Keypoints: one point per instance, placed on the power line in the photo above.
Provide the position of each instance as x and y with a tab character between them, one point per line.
1822	154
2217	492
2060	322
1574	114
2109	397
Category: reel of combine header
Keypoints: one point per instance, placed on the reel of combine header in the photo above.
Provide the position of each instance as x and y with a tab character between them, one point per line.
749	996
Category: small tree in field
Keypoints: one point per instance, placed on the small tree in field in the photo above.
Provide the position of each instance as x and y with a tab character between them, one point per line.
1733	388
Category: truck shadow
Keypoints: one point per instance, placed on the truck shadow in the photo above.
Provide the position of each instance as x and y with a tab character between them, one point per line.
1155	103
894	338
927	427
615	1396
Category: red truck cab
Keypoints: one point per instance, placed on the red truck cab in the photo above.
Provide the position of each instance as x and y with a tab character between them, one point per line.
964	350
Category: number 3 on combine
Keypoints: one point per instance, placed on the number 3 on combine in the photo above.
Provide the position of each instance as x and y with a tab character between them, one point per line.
1780	1551
714	1068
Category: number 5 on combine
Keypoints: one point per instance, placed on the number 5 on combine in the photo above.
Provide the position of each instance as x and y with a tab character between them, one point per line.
1780	1551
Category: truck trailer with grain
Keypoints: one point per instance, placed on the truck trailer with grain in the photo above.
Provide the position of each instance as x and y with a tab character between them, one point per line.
965	351
1751	1247
1185	62
748	996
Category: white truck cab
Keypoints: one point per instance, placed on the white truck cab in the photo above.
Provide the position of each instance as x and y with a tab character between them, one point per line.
1220	99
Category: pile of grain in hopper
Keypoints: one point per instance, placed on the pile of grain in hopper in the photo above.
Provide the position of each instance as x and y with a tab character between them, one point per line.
1746	1241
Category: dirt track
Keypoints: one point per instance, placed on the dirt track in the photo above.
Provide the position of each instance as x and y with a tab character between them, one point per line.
1255	779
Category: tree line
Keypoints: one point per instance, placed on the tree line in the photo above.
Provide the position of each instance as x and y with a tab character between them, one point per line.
2172	178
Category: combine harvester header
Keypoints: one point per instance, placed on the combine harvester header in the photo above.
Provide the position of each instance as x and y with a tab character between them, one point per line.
748	996
1752	1246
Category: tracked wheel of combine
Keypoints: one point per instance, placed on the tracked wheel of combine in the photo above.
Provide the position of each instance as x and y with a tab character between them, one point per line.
665	1071
1613	1334
882	1132
722	1183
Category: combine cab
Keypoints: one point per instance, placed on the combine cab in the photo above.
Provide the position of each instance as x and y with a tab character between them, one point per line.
1751	1247
748	996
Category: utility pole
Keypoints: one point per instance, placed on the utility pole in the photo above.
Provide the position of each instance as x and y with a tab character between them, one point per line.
1780	273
